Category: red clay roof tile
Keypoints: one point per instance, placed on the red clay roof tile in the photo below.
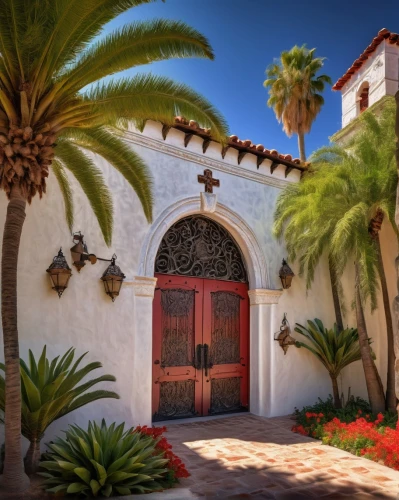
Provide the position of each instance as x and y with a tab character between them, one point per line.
384	34
234	141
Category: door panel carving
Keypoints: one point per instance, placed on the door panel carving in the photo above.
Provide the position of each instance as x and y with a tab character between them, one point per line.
225	328
177	307
177	400
225	395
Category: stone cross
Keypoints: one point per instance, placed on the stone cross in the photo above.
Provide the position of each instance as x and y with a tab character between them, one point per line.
208	181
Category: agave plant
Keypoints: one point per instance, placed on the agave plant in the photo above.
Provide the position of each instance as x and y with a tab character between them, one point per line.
50	390
334	348
104	461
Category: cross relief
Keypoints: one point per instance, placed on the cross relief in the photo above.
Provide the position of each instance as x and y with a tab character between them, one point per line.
208	180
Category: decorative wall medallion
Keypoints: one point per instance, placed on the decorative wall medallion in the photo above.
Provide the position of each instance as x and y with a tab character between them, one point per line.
200	247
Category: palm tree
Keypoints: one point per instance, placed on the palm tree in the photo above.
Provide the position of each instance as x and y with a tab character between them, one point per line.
50	390
397	258
334	348
293	219
54	106
365	182
295	91
338	209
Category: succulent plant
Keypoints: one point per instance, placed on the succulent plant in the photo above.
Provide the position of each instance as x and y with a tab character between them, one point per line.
51	389
104	461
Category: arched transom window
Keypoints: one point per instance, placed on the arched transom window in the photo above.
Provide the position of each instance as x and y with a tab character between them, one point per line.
200	247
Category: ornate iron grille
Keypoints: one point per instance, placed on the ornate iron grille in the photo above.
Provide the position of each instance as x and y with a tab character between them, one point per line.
200	247
177	400
177	327
225	330
225	395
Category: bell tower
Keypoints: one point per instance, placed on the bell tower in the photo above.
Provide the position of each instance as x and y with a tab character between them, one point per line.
374	75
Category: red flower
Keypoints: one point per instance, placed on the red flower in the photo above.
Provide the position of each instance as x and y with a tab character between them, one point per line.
162	446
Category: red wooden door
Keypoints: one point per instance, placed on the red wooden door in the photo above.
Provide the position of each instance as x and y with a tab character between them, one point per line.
177	327
225	339
200	347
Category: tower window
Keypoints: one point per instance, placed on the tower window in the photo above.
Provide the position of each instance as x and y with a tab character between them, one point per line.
364	99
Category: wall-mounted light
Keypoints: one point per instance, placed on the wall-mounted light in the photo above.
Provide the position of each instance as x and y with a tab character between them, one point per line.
283	337
80	253
286	274
60	273
113	278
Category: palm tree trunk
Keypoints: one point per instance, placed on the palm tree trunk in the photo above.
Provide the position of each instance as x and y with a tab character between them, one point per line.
396	303
374	385
334	289
301	146
32	457
14	478
391	401
337	399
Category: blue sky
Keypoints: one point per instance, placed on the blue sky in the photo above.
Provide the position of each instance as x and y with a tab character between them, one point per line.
247	35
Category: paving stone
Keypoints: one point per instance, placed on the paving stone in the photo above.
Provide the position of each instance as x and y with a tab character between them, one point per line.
250	457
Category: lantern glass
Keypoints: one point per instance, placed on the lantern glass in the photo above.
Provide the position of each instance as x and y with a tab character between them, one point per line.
112	286
286	274
60	273
113	278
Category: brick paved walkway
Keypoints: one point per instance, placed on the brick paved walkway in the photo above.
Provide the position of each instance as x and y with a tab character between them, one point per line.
248	457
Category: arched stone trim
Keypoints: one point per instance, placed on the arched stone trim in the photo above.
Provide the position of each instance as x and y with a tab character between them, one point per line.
237	227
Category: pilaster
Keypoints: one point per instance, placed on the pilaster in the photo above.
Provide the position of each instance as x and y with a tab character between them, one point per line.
141	367
262	309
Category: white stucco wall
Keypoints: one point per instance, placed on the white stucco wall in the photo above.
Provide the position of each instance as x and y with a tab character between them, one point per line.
113	332
380	71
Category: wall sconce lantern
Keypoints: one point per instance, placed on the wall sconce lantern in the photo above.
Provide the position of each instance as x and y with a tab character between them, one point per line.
283	337
286	274
60	273
80	253
113	278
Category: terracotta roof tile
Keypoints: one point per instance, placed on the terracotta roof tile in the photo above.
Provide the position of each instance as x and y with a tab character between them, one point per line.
384	34
233	141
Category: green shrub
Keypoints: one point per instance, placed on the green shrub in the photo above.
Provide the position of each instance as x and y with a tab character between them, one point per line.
51	389
346	414
104	461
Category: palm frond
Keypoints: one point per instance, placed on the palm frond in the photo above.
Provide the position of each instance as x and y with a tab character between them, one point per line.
121	157
91	180
66	191
154	98
134	45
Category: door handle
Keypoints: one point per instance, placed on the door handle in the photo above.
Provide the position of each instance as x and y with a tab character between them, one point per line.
198	355
207	363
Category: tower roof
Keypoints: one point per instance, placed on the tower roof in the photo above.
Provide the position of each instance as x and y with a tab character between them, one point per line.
384	34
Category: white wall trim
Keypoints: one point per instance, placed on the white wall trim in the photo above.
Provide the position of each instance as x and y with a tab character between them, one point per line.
262	296
143	286
157	145
237	227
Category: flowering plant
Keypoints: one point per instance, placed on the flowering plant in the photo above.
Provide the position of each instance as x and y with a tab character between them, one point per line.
367	435
176	467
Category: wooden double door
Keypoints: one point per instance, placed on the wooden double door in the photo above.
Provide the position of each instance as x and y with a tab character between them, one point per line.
200	347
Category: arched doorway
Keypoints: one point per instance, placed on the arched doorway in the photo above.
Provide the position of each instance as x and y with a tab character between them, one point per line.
200	322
